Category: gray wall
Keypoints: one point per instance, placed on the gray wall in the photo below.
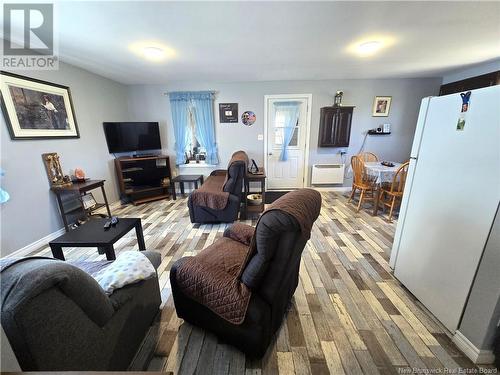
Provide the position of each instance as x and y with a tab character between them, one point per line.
31	212
482	313
472	71
149	103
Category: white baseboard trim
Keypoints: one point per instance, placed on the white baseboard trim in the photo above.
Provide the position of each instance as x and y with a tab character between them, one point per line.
37	244
477	356
49	237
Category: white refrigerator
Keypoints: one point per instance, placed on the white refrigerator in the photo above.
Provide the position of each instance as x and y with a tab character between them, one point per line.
450	199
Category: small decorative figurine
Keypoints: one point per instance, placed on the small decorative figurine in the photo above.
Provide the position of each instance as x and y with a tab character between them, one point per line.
54	170
338	98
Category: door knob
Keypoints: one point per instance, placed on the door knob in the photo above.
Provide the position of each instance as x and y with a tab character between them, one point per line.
270	153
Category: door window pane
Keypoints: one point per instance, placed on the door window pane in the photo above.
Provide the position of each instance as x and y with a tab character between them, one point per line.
279	137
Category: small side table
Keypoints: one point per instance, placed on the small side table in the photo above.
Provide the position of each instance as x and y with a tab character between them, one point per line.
183	178
257	209
79	188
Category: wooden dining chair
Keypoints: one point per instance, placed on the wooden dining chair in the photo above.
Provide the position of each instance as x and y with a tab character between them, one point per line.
393	192
368	156
362	181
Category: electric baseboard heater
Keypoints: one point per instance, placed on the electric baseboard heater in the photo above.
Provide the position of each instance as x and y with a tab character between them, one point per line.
324	174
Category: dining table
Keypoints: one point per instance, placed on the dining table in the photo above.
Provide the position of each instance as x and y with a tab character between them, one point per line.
380	173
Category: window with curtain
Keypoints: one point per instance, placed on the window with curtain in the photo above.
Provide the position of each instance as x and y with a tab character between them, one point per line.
279	131
193	147
194	125
286	125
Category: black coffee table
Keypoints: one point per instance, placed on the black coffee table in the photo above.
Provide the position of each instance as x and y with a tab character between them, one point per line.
92	234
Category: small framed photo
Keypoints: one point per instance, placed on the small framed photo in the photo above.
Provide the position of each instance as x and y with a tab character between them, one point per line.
381	106
228	113
88	201
36	109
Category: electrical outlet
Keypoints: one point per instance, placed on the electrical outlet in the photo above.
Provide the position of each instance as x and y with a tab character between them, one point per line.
260	137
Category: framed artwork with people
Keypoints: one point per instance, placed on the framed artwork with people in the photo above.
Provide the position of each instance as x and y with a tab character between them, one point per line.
381	106
37	109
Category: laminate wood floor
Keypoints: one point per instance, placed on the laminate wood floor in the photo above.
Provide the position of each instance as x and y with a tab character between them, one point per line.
349	314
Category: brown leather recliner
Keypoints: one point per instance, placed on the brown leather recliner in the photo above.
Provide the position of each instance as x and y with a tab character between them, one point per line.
219	198
240	287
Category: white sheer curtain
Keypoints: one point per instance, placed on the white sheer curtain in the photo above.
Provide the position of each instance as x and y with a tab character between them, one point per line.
290	112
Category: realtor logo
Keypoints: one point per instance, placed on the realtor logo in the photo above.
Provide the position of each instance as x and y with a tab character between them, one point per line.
28	37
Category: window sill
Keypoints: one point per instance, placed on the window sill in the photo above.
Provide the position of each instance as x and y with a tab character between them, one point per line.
197	165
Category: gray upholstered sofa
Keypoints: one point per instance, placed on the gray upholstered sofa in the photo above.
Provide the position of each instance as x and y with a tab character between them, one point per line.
58	318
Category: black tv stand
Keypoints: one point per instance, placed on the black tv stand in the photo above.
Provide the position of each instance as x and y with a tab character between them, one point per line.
143	178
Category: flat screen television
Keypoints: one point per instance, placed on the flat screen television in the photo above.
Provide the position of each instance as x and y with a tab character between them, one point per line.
132	136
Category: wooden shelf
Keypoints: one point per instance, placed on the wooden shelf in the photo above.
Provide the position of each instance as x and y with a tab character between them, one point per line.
74	210
137	190
150	199
77	190
132	159
134	169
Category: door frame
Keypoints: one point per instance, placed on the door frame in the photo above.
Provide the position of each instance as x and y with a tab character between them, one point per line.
308	97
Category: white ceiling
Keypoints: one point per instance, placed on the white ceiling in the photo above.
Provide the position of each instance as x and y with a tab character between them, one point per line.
256	41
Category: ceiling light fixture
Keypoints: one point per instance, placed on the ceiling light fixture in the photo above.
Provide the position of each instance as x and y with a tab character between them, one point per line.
153	53
369	48
370	45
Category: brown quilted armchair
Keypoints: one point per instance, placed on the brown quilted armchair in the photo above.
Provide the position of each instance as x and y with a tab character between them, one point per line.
240	287
218	199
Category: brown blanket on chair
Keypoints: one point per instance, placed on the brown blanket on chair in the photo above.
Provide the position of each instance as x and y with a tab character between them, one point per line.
238	156
302	204
211	193
212	277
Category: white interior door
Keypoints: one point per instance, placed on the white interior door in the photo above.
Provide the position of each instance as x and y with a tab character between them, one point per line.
289	174
452	203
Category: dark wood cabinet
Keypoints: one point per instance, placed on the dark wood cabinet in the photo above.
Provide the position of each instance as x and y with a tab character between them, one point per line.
335	126
485	80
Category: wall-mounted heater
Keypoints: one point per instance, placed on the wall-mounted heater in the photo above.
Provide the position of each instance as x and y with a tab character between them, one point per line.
327	174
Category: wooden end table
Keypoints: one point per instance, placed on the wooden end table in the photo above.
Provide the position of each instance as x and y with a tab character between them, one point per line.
92	234
254	209
183	178
80	188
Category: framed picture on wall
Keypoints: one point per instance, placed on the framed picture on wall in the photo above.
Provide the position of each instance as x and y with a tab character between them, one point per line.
381	106
228	112
36	109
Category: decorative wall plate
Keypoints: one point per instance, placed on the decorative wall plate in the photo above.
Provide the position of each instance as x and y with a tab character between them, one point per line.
248	118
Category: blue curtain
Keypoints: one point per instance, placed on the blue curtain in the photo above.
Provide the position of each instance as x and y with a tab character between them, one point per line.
291	112
201	104
203	110
179	106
